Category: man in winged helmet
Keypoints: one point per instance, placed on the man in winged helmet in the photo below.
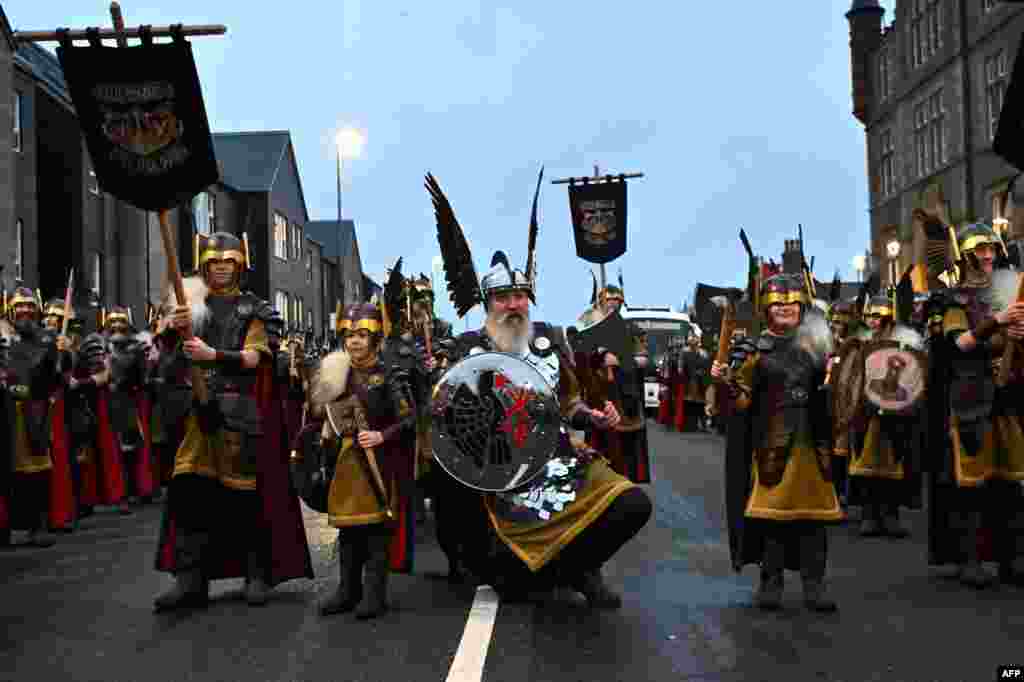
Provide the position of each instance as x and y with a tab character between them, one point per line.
563	525
231	511
976	491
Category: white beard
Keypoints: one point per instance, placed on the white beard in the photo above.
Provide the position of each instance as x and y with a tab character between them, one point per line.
507	338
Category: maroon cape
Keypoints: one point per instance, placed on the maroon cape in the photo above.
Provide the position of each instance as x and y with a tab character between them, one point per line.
62	494
103	476
282	515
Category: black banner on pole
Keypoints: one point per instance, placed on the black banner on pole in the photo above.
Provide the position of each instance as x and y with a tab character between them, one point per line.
141	112
1009	140
599	220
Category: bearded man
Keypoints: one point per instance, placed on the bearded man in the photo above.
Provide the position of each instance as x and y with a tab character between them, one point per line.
552	546
561	527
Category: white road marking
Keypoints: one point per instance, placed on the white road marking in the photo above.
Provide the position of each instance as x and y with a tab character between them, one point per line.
468	665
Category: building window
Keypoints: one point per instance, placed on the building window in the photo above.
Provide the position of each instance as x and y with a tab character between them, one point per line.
281	303
204	213
883	74
887	165
19	249
17	121
299	311
94	183
995	89
309	267
989	5
309	319
280	236
929	134
97	274
925	30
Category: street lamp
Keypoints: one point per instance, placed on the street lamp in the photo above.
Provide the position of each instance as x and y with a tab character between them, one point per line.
893	249
348	142
860	264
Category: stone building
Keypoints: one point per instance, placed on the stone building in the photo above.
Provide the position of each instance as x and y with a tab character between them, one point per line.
928	88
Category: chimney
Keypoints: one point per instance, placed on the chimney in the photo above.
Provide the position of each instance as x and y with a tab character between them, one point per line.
791	264
865	18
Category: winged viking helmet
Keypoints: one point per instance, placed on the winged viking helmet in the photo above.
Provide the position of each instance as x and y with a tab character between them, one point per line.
464	288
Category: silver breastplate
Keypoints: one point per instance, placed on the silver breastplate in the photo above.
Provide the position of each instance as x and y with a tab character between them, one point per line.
547	366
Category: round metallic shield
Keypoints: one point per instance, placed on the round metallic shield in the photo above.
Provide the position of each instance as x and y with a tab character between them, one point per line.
495	422
895	376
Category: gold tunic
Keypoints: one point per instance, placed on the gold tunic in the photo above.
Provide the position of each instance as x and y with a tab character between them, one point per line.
791	474
1001	454
351	500
219	455
539	542
26	460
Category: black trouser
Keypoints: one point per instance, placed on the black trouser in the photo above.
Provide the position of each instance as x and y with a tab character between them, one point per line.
30	500
840	474
219	520
455	506
588	551
998	505
806	539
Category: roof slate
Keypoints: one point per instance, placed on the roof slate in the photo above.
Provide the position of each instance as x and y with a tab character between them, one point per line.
249	160
45	67
326	232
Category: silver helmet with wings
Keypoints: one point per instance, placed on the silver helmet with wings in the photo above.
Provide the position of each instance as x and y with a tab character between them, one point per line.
465	289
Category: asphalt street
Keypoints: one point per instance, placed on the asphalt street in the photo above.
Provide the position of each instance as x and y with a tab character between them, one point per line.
82	610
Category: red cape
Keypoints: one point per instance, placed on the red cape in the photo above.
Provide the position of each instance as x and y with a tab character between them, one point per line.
103	476
142	469
62	492
282	515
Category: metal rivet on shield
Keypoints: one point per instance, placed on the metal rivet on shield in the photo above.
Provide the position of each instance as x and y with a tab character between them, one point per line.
475	349
543	343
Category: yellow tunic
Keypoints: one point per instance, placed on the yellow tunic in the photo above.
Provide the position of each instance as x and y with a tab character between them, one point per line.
791	475
26	460
1001	455
220	455
538	543
351	500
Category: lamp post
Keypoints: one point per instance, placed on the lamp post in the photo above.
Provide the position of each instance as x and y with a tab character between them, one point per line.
859	264
893	249
347	142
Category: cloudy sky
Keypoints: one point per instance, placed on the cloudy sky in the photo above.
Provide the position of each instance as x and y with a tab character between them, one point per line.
738	113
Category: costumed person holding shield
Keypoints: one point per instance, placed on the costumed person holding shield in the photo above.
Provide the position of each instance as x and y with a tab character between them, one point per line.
777	387
231	509
369	410
976	506
546	511
884	460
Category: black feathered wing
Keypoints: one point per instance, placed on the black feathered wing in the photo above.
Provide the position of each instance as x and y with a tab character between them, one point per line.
460	274
393	292
531	244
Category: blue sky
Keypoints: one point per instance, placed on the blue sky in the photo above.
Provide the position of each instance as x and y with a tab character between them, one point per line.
738	113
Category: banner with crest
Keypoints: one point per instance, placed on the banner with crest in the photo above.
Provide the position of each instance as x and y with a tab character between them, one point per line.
142	115
599	219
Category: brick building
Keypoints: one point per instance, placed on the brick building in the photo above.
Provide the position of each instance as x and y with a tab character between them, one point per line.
928	89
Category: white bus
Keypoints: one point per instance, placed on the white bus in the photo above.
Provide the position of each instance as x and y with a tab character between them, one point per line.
661	325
